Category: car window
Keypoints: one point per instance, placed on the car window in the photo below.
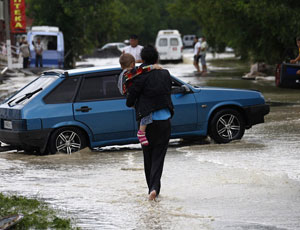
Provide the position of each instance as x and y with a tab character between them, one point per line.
163	42
40	83
174	42
48	42
99	88
63	93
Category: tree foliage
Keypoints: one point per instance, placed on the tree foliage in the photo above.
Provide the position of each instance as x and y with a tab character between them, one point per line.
261	30
87	24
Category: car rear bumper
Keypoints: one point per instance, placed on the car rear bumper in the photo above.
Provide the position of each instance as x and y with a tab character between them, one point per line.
25	139
255	114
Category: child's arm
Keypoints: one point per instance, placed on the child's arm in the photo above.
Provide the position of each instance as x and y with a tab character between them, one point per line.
295	60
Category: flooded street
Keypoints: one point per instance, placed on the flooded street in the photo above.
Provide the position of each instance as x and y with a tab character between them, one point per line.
249	184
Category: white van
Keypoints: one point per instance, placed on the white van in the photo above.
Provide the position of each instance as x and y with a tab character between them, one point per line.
169	45
52	41
188	40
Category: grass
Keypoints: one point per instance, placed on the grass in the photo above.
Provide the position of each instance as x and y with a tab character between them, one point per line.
37	214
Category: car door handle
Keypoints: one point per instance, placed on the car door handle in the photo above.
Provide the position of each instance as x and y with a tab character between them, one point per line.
84	109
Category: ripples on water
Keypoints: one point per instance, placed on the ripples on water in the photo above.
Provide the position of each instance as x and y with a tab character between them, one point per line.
247	184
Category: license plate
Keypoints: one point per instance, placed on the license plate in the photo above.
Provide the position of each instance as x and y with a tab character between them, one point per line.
7	124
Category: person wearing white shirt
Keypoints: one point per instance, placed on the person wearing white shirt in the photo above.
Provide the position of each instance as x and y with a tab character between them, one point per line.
203	50
197	55
134	48
38	48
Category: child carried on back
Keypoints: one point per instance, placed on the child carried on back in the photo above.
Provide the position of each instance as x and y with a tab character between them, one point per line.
126	78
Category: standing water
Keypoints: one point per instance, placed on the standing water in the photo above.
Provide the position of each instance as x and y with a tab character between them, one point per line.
249	184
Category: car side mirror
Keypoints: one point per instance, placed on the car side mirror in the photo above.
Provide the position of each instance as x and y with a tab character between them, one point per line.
185	89
182	89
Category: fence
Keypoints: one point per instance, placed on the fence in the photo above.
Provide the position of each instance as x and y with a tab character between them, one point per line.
17	60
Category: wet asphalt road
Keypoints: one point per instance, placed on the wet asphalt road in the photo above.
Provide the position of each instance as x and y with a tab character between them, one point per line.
249	184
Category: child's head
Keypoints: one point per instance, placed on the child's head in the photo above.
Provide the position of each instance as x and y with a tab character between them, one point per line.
127	61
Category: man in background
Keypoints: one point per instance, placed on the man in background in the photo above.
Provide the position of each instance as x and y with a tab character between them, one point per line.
134	48
38	48
297	59
197	56
25	52
203	50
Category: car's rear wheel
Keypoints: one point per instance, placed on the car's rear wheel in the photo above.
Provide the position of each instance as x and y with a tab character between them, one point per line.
227	125
67	140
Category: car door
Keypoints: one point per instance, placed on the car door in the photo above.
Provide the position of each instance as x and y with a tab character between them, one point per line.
185	111
101	107
174	49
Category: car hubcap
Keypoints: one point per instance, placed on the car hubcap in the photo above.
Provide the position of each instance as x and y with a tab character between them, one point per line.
68	142
228	126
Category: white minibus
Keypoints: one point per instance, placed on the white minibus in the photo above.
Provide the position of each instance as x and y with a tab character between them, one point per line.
169	45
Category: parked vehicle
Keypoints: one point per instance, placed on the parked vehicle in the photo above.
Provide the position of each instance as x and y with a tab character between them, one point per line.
169	45
188	40
118	45
65	111
53	45
286	75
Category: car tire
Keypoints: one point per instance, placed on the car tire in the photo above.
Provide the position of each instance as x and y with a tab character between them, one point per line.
227	125
67	140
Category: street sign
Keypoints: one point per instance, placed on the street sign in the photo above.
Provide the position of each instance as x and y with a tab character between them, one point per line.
17	16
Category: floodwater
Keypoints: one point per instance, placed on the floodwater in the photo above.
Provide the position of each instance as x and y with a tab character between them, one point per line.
249	184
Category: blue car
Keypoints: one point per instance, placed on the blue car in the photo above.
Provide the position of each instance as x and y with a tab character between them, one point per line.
65	111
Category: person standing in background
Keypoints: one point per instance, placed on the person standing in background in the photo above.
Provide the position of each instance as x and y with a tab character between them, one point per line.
38	48
297	59
25	52
134	48
197	56
203	50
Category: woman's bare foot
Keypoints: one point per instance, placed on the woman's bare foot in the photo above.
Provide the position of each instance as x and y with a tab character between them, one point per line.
152	195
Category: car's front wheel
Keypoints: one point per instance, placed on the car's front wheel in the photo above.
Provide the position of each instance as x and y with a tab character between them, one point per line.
67	140
227	125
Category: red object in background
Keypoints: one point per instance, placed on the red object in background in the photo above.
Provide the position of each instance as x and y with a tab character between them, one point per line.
277	74
17	16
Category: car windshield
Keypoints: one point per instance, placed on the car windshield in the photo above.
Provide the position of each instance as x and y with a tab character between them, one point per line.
31	90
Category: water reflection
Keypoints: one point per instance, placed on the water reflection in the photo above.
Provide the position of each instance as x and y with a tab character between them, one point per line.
249	184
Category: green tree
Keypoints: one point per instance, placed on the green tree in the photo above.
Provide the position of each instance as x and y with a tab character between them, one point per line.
83	22
260	30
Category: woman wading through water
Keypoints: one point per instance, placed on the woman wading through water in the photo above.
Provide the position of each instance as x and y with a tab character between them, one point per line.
151	93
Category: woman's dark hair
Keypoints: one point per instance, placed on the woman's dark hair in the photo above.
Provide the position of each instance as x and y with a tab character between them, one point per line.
298	38
149	54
